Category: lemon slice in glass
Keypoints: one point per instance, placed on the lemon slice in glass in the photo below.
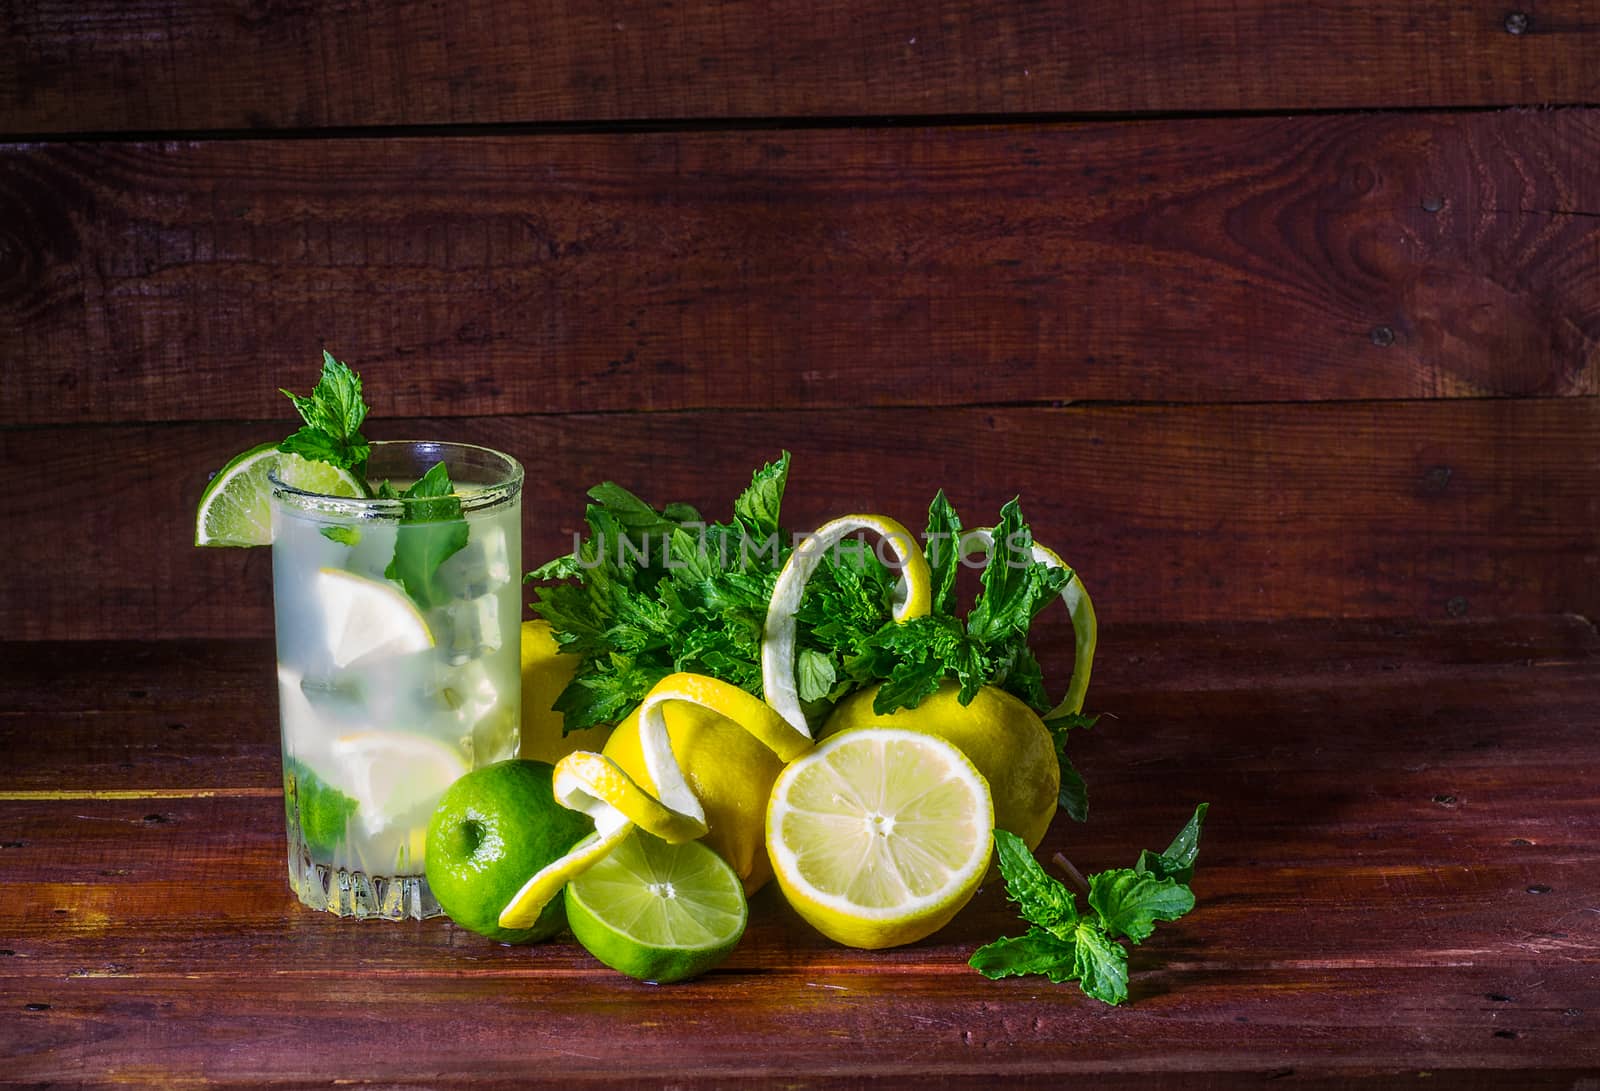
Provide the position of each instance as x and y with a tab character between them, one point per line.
395	777
235	509
878	837
365	617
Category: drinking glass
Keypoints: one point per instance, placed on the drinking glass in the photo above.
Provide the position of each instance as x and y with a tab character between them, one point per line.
398	626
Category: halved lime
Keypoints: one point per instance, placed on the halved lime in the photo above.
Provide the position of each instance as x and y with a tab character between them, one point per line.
234	509
658	912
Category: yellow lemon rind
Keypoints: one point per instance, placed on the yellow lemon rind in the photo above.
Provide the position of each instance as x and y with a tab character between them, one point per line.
594	784
523	910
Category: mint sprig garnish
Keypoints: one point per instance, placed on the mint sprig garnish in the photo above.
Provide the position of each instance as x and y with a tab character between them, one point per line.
333	416
1064	944
431	527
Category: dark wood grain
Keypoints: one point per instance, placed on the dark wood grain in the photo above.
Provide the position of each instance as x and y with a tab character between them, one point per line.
1309	258
160	64
1396	879
1479	507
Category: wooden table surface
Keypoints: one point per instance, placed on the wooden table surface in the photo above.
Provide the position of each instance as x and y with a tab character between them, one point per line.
1398	878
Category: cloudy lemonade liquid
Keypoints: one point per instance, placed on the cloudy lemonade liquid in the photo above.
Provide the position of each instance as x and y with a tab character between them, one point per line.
385	700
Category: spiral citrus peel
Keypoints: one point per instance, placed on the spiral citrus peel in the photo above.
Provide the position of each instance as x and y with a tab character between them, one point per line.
914	595
911	845
1085	630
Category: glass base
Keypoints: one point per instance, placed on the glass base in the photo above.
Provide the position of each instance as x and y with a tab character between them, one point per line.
357	894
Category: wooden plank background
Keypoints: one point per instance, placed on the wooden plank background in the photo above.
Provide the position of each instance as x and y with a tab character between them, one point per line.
109	65
1246	347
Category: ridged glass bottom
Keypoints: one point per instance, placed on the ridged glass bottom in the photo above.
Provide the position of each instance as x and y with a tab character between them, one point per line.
357	894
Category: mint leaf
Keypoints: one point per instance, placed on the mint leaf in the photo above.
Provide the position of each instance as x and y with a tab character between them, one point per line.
320	810
645	526
1005	577
333	416
1064	944
318	446
1037	952
431	532
346	536
1177	862
814	675
1040	899
1074	794
757	508
942	548
1129	904
908	683
1100	965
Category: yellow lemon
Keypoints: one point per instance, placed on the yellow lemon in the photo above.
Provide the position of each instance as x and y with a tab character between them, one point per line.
999	734
545	673
727	768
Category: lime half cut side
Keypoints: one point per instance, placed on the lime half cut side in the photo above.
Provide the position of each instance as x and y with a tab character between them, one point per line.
235	509
658	912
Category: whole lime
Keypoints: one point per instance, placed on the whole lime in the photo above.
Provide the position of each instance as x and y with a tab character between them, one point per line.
492	830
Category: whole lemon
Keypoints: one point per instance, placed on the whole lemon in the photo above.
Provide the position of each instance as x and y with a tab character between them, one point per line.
545	673
727	769
999	734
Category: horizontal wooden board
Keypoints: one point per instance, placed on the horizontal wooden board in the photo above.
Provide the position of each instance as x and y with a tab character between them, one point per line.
164	720
83	65
1255	259
1484	508
1352	920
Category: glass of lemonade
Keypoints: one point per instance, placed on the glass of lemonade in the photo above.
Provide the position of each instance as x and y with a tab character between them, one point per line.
398	627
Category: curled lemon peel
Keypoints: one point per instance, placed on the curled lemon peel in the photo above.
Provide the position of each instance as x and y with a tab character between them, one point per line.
1085	630
526	905
595	785
913	593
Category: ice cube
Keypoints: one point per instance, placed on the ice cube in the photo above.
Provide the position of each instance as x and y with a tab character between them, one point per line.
302	727
479	567
484	720
472	628
375	689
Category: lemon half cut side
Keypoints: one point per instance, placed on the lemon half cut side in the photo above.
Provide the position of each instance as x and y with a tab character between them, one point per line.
880	836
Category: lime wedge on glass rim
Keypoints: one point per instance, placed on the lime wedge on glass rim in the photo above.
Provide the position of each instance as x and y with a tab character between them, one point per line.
235	510
658	912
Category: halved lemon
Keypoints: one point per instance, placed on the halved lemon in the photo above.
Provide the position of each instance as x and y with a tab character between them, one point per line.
878	837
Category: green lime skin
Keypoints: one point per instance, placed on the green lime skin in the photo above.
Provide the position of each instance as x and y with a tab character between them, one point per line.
492	830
